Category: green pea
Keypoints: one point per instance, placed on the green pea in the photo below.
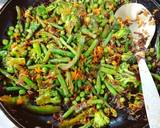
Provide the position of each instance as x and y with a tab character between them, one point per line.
5	42
102	61
149	66
66	100
95	5
10	70
82	94
82	99
44	69
103	86
11	28
151	50
79	83
16	30
149	58
74	102
10	33
29	62
62	32
78	98
45	16
105	50
102	92
22	92
98	106
122	99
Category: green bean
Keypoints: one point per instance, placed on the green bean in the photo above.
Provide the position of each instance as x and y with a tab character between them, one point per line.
158	46
60	60
68	46
98	84
108	71
44	49
111	88
77	108
156	76
47	55
18	12
33	27
12	89
87	125
57	26
63	84
6	74
69	82
75	120
37	48
62	52
91	48
108	66
29	83
43	110
87	32
75	59
108	38
94	102
69	112
70	38
51	66
44	33
9	100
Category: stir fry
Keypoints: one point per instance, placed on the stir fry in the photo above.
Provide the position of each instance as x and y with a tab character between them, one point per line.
73	60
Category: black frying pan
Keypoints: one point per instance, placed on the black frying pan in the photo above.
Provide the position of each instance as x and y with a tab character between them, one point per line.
25	119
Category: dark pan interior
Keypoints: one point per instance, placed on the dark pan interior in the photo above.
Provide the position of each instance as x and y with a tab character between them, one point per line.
24	119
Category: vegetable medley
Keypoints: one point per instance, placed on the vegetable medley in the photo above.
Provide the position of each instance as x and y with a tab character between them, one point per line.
73	60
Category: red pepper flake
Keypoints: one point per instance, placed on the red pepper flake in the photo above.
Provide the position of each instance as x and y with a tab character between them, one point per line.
77	74
38	70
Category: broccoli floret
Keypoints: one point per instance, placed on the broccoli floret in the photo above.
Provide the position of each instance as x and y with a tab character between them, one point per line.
47	96
124	68
122	33
126	81
126	56
126	76
129	57
42	11
100	120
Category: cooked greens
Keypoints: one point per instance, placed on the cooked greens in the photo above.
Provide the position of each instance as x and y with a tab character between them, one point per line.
73	54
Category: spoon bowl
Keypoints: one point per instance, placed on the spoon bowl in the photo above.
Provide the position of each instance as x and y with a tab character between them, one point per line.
141	21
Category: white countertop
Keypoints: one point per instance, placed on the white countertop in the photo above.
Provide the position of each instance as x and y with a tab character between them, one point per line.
4	121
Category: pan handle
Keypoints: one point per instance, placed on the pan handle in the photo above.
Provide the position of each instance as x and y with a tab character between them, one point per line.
156	3
3	4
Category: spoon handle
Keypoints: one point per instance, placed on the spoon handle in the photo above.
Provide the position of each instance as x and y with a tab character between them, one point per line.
150	94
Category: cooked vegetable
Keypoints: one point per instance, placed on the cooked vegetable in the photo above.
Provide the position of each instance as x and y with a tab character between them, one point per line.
73	59
100	120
